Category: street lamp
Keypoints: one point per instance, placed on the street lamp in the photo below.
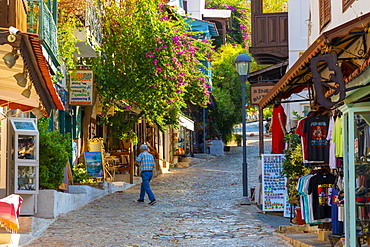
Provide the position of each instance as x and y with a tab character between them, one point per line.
243	63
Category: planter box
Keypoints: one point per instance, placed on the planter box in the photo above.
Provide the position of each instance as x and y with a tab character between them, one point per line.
51	203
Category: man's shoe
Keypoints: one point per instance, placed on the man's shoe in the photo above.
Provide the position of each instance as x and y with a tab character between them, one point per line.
152	202
139	200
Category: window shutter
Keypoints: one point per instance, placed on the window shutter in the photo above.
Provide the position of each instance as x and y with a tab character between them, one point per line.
346	4
325	13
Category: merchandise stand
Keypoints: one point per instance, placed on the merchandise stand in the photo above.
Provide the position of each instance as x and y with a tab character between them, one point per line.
353	216
274	189
23	165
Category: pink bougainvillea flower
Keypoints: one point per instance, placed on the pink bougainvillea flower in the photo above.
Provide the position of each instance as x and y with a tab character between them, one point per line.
159	69
154	86
128	107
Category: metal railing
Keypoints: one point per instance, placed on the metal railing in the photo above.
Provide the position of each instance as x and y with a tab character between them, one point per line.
93	21
41	21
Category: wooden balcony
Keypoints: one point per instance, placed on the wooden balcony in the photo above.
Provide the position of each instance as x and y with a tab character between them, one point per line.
269	35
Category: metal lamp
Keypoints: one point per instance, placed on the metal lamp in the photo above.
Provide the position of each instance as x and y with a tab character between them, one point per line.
242	63
10	58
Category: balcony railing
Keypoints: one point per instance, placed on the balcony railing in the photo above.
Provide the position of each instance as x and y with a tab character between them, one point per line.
93	22
270	37
41	19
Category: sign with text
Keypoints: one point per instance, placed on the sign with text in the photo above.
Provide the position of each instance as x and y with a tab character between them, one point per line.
81	88
273	183
258	91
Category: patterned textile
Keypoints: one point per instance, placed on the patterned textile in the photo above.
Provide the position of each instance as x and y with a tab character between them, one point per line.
10	208
146	161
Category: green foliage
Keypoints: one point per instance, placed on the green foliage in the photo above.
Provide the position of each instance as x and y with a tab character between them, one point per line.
275	6
227	90
296	115
55	151
293	167
241	24
267	112
151	60
122	123
238	139
67	39
80	175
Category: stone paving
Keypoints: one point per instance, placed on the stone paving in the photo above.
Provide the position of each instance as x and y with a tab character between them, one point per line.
196	206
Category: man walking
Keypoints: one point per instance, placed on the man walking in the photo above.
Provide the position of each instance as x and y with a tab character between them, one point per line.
146	162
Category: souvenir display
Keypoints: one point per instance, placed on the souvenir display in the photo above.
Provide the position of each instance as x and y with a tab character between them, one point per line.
274	183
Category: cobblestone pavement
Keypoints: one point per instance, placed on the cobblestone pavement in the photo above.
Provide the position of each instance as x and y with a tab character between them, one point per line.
196	206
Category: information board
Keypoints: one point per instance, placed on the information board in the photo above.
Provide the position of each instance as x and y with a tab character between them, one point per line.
273	183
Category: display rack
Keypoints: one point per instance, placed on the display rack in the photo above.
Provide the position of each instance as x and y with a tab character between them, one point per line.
24	162
273	183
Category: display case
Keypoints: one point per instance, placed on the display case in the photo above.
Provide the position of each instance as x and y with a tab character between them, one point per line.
23	165
356	159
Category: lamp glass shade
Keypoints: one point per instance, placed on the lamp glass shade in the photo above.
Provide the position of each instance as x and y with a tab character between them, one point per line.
243	67
21	79
9	59
26	93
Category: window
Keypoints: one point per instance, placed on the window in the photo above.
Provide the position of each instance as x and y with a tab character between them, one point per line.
346	4
325	13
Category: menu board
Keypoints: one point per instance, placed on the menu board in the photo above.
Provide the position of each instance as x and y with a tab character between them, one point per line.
287	206
273	182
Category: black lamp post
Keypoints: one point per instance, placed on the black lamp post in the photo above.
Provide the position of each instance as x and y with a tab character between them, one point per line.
242	63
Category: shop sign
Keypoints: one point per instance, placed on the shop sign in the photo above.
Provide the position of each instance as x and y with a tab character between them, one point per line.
81	88
258	91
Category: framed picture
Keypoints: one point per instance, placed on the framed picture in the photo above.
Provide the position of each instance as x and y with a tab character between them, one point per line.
94	164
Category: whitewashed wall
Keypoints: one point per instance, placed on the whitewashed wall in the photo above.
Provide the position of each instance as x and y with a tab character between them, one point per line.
358	8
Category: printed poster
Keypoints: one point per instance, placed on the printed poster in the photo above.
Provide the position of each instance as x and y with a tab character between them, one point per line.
94	164
274	190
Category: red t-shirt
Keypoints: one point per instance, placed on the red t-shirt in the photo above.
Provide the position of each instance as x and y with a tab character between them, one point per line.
299	131
278	124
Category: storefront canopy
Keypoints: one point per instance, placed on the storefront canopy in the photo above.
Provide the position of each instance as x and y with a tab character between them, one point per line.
341	41
31	59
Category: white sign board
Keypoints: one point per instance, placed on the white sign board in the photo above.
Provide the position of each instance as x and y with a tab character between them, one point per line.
273	183
81	88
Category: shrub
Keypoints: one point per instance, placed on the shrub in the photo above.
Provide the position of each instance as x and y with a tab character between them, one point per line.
55	151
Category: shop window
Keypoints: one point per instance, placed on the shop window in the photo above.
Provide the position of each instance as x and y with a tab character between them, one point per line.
346	4
325	13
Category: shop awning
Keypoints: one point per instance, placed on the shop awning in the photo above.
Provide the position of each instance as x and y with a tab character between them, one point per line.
31	58
337	40
186	123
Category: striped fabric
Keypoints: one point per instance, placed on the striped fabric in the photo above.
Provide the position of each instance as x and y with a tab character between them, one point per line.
146	161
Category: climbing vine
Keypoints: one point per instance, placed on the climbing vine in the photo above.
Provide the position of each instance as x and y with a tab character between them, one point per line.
151	59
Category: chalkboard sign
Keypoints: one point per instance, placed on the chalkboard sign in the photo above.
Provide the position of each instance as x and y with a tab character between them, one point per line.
273	182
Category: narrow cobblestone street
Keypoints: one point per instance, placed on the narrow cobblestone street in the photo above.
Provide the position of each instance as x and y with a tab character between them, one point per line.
196	206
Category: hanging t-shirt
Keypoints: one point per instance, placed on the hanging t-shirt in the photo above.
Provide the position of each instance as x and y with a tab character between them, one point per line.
278	129
332	158
316	128
299	131
366	140
321	187
338	137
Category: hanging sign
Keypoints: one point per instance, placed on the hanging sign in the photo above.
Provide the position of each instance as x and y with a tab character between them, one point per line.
258	91
273	182
81	88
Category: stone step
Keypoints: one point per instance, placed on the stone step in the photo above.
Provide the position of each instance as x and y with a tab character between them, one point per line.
304	240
